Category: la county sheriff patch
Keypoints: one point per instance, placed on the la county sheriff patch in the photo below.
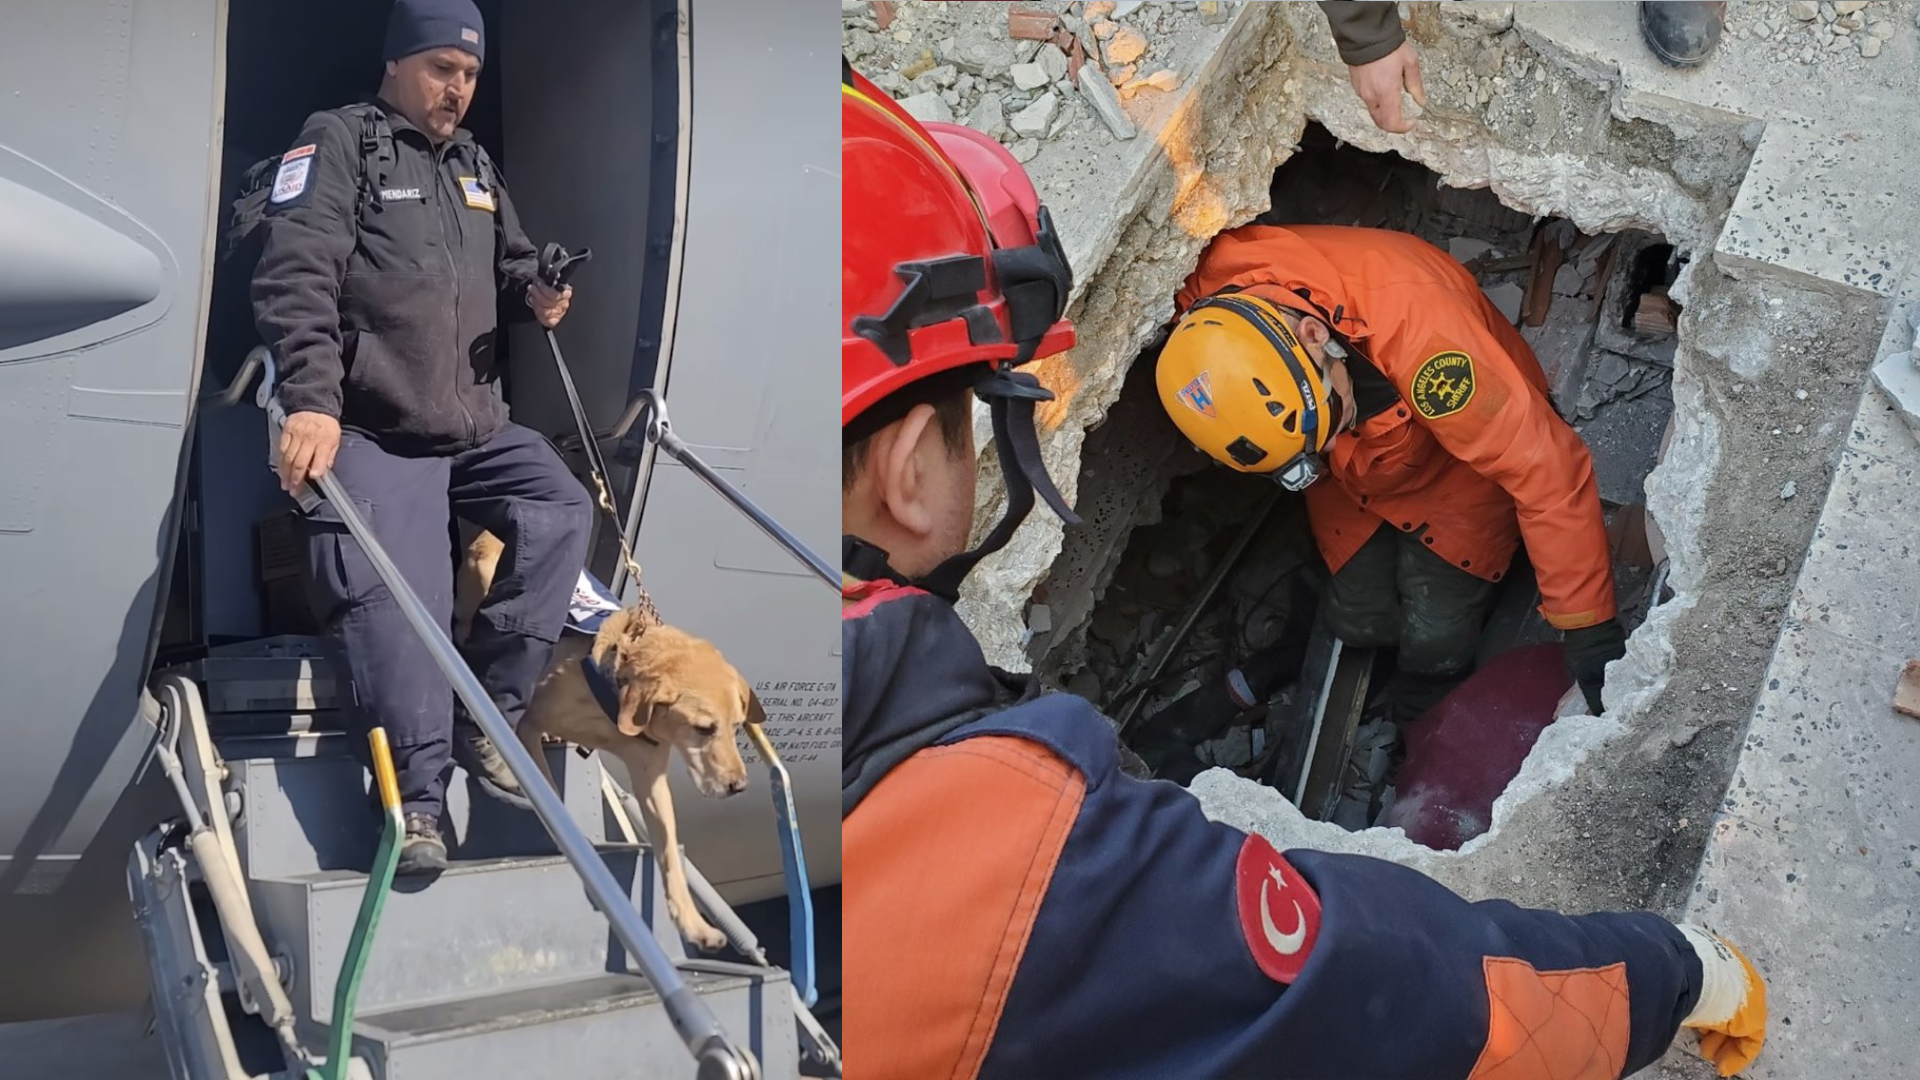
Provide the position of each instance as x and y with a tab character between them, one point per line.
1198	396
1443	385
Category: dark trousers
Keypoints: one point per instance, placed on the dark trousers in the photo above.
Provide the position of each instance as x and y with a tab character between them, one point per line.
514	486
1397	592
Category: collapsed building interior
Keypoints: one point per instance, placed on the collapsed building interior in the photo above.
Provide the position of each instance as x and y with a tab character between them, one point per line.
1203	642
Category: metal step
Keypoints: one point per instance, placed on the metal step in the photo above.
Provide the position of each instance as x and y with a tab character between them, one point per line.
286	673
599	1027
304	807
480	928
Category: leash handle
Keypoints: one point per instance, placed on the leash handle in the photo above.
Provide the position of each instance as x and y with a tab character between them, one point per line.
557	264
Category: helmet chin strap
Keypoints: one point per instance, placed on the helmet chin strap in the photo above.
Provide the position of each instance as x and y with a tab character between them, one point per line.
1011	397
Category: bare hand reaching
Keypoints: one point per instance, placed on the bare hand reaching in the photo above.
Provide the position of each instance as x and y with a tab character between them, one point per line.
308	444
1378	84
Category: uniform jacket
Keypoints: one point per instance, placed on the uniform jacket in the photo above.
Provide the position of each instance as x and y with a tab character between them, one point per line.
1473	456
1018	907
1364	32
389	324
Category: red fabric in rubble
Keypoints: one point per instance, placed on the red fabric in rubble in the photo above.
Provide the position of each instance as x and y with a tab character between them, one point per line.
1462	753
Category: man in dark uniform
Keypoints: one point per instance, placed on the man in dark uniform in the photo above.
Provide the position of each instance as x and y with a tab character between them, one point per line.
389	240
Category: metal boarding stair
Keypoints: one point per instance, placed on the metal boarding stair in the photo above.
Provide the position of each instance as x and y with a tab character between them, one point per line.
501	966
545	950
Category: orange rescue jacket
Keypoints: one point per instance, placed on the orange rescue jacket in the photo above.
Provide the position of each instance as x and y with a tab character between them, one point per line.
1474	450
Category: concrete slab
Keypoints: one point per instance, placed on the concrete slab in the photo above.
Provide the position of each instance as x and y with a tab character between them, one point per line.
1812	864
1748	74
1898	378
1822	208
1829	193
1898	372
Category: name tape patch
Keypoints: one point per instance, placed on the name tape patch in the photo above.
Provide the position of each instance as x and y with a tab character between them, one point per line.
1443	385
1279	911
400	194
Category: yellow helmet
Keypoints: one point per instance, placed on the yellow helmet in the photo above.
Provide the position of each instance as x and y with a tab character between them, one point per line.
1240	386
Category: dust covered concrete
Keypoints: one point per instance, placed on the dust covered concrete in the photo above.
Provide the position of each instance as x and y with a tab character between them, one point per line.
1780	171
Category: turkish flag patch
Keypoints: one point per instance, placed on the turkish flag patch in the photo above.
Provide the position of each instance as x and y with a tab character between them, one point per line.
1279	912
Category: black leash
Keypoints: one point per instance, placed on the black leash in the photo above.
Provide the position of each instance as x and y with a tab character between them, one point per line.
556	267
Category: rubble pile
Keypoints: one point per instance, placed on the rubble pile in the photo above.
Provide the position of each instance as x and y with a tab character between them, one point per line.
1022	73
1163	634
1165	566
1805	31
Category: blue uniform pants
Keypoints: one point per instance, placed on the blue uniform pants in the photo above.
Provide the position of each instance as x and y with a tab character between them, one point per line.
515	486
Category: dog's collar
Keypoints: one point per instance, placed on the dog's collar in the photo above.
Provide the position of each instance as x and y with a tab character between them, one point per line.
606	695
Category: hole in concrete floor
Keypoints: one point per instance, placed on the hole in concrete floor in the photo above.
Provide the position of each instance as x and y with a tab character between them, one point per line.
1204	642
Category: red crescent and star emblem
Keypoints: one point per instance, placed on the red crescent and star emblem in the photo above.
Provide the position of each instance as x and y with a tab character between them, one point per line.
1279	911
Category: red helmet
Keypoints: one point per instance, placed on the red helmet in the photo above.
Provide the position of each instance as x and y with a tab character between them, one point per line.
949	270
947	258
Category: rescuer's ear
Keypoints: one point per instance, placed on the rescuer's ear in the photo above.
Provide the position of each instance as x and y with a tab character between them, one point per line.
1313	332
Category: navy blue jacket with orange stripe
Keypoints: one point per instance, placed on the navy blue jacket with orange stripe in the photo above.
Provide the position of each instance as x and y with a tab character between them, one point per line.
1018	907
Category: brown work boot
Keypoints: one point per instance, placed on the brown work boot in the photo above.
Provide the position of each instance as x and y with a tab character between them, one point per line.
1682	33
474	752
421	849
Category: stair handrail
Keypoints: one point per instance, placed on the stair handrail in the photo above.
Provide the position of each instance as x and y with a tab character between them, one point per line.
718	1057
659	431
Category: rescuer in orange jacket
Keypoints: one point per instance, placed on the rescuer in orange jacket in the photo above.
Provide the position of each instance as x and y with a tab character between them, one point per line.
1016	906
1371	358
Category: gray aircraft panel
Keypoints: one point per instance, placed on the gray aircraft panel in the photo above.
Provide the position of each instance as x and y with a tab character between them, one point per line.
113	117
576	101
752	385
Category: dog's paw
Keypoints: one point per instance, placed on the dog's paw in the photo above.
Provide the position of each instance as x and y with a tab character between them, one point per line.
704	938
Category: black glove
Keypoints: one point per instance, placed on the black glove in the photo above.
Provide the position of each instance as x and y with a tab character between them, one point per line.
1588	651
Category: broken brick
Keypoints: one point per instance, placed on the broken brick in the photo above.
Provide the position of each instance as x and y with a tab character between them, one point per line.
1906	695
883	13
1547	255
1025	25
1654	314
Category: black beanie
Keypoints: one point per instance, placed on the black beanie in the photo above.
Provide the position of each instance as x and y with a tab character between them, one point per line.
419	25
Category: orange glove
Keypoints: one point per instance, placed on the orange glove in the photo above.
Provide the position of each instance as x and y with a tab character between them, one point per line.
1731	1015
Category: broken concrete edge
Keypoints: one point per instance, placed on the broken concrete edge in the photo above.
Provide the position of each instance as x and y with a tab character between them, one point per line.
1896	374
1539	181
1675	498
1154	223
1165	179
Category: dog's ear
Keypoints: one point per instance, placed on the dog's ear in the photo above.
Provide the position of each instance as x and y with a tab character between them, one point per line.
756	713
638	700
